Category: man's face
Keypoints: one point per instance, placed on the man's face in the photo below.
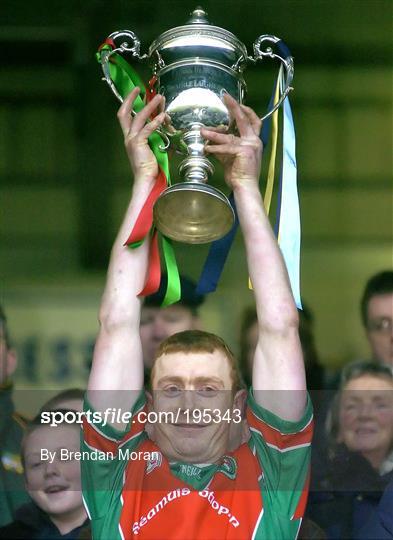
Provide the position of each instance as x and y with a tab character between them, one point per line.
366	417
54	487
380	327
192	386
158	324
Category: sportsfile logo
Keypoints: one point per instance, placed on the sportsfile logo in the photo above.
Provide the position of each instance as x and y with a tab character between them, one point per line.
171	496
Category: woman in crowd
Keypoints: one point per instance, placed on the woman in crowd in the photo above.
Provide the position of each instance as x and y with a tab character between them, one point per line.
346	494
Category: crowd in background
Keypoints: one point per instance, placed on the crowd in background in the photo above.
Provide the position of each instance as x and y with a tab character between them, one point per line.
351	485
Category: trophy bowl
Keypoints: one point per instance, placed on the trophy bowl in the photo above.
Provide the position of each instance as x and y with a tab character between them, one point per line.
193	66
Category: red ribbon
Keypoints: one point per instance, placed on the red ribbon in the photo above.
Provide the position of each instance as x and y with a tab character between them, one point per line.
145	219
154	274
141	229
108	41
151	90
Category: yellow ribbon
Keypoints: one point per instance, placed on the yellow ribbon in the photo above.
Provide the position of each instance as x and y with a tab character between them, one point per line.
272	163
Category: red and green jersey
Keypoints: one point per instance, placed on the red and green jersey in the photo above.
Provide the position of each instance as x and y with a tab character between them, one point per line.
259	491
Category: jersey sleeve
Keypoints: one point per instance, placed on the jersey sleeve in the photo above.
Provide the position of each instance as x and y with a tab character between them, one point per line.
102	463
283	449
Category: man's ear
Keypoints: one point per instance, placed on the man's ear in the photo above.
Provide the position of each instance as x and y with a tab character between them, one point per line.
11	362
240	400
149	428
149	399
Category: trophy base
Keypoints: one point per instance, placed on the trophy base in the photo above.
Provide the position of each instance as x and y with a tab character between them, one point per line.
193	213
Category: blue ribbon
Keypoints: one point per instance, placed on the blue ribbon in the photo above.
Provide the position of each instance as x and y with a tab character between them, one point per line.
217	256
289	231
219	250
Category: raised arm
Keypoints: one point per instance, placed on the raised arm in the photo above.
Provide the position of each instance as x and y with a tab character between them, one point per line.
278	372
117	361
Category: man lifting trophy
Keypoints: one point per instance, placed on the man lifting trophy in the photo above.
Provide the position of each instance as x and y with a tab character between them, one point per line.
181	480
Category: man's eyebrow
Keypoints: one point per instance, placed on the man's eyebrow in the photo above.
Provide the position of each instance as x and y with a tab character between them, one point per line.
206	380
197	380
170	378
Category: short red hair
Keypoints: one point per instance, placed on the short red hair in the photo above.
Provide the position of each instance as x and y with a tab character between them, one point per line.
198	341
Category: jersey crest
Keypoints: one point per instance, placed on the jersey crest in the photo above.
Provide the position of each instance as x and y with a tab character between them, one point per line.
229	467
154	462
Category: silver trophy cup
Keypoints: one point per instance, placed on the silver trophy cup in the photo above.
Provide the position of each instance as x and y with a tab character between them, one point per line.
193	66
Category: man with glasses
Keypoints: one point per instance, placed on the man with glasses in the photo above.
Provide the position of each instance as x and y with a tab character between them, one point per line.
158	323
377	315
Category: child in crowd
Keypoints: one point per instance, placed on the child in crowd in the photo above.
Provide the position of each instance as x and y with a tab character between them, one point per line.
52	477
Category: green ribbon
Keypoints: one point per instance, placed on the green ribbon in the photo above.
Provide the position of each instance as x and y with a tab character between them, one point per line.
125	80
173	289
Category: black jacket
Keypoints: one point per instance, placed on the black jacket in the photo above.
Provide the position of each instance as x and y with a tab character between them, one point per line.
12	487
346	494
31	523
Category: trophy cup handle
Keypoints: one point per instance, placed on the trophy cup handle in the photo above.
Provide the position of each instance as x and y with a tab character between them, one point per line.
126	42
285	57
129	43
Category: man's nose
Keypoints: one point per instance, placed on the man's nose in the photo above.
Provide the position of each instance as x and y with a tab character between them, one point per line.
188	400
160	329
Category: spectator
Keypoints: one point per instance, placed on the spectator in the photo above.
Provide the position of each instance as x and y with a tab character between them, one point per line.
249	337
377	316
360	459
158	323
71	399
12	427
52	479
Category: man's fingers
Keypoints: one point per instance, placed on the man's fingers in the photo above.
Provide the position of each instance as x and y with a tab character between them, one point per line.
242	121
141	118
131	125
153	125
161	106
229	149
254	119
124	112
223	138
232	140
147	130
218	129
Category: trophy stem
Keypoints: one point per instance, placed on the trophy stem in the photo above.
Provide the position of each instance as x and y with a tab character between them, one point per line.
193	211
196	167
